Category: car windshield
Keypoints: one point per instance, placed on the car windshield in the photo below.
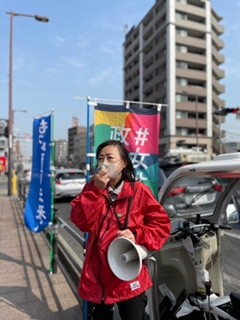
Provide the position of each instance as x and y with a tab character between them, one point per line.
194	195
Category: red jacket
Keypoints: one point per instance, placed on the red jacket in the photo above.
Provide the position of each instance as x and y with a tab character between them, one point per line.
147	220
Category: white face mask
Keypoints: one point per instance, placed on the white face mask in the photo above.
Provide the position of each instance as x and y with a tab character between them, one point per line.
112	169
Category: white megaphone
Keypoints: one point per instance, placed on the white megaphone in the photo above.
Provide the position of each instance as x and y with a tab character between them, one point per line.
125	258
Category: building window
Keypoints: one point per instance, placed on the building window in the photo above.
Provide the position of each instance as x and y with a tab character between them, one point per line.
182	49
182	132
181	16
182	32
181	114
192	132
181	98
182	65
159	54
182	82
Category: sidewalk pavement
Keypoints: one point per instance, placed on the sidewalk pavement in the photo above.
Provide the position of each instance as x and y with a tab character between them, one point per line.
27	290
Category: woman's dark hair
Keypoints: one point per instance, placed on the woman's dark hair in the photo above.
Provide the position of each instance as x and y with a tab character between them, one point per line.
128	172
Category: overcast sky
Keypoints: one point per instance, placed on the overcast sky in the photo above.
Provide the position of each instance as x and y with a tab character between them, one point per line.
79	53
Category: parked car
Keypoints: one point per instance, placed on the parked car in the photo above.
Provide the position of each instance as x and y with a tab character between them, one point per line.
69	182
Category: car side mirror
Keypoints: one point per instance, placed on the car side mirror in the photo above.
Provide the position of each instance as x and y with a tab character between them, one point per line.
232	213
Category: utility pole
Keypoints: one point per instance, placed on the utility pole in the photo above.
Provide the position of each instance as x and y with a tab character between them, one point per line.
10	107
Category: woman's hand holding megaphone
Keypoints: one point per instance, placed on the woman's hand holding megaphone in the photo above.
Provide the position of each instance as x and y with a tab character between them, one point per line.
127	234
101	178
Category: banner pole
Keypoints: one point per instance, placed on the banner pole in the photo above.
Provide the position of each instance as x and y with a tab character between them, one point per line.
86	315
127	102
88	140
53	232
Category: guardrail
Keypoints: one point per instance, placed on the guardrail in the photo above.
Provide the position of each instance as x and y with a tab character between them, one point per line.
63	256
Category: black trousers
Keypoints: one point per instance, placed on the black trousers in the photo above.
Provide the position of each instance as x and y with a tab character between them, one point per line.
133	309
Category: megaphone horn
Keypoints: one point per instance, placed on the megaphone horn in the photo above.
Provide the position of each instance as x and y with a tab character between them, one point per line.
125	258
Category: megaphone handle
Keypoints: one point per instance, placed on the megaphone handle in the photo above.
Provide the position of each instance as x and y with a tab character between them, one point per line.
129	256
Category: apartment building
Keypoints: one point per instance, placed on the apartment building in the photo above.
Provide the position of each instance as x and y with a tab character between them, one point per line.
78	139
61	152
173	57
77	146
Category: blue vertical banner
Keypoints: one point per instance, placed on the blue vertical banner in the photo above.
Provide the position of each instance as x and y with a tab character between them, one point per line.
37	214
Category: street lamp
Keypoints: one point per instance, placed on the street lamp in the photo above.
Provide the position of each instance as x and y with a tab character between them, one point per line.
10	108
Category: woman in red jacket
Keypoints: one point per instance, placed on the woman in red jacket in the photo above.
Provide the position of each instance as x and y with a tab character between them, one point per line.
114	205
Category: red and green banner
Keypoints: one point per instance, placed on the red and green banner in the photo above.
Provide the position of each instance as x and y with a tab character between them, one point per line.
138	129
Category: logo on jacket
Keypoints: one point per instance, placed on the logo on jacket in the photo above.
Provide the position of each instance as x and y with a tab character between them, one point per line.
135	285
